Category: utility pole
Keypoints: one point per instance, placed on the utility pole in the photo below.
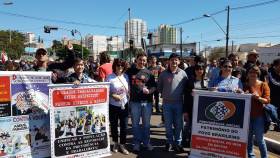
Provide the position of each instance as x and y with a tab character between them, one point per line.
129	34
227	33
181	42
198	47
232	46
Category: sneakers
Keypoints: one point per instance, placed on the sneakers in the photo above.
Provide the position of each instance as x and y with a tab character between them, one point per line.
149	147
136	147
115	147
178	148
168	147
123	149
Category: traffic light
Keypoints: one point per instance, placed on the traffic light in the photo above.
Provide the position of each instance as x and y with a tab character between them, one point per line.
47	29
131	44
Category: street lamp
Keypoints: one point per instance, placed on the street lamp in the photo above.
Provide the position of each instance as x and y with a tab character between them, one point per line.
225	32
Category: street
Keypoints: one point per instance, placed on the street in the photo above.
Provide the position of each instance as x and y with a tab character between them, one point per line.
158	141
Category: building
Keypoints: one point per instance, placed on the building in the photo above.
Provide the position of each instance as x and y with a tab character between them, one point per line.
96	44
136	31
268	54
164	50
30	37
31	44
167	34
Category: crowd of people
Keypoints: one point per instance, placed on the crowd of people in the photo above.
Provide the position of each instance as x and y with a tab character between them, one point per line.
136	88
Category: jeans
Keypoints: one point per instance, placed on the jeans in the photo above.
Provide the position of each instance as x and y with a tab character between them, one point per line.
257	129
143	110
156	98
173	115
116	114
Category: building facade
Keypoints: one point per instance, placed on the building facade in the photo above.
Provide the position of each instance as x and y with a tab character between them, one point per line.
135	30
268	54
167	34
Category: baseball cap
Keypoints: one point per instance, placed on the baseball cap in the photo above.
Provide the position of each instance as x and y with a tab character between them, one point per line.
41	50
174	55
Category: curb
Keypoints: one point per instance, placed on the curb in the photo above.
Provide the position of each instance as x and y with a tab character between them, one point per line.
272	145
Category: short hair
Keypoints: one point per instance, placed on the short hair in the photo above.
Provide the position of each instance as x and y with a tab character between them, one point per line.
256	69
276	62
104	58
152	57
141	54
118	61
78	60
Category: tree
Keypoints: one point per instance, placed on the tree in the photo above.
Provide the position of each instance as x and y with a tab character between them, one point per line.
60	50
12	42
217	53
128	53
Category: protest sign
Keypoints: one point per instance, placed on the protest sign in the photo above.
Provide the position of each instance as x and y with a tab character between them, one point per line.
220	124
80	120
24	117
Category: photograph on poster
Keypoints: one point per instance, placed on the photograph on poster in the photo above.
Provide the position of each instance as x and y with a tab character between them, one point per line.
75	121
29	98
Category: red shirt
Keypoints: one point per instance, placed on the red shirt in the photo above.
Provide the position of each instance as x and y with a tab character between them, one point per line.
105	70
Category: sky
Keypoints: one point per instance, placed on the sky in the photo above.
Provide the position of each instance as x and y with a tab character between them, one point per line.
249	25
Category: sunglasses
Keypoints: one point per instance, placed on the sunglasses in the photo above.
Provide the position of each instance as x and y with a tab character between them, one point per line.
227	66
119	65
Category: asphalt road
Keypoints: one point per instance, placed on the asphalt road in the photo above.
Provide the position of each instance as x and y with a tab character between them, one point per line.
158	141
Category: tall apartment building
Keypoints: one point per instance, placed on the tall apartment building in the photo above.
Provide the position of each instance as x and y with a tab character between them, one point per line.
30	37
136	31
167	34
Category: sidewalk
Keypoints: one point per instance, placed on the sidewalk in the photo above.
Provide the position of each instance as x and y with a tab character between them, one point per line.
158	141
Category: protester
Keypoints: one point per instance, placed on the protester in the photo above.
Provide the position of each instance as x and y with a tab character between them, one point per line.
105	67
78	76
171	84
274	85
260	97
198	81
253	59
142	85
194	60
237	71
211	67
225	82
118	104
155	70
42	60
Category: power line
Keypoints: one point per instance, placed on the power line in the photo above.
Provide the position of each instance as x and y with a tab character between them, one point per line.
58	21
251	37
198	18
254	5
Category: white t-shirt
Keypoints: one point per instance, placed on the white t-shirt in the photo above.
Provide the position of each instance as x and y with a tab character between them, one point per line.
119	86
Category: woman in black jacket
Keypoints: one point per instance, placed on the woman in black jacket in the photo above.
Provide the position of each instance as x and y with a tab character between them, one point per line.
198	81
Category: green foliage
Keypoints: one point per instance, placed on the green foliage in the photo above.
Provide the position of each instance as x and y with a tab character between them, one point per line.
60	50
13	48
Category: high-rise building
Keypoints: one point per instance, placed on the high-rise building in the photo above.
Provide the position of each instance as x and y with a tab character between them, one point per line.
167	34
136	31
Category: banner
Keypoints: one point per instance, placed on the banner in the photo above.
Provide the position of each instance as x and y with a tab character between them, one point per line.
80	120
24	117
220	125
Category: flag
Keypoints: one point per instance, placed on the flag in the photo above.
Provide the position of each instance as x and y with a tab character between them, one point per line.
4	57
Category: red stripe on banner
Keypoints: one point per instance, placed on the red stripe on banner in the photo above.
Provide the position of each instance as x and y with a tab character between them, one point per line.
5	90
76	97
221	146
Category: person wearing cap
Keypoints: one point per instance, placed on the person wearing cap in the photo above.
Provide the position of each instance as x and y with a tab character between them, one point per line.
43	64
252	59
171	85
142	87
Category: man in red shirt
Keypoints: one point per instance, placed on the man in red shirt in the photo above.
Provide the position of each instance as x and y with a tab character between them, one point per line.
105	68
